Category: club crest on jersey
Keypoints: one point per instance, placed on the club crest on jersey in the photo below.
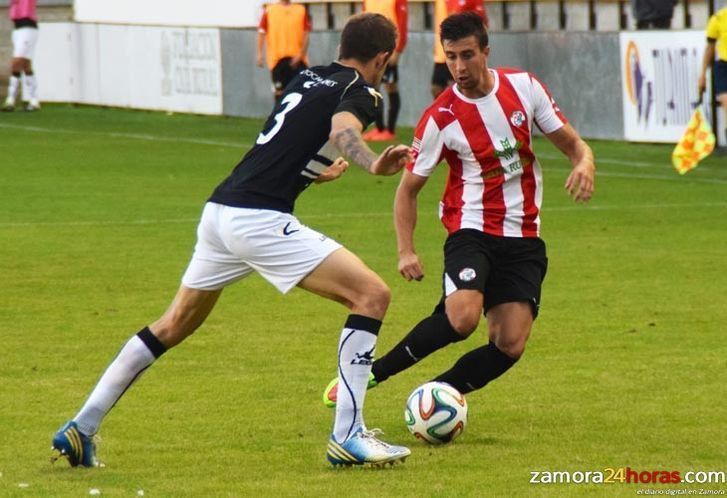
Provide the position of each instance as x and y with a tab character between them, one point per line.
467	274
517	118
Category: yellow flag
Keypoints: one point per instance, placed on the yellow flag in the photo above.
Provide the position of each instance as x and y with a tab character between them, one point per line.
696	144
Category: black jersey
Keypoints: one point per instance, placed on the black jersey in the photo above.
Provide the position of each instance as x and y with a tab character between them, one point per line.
292	150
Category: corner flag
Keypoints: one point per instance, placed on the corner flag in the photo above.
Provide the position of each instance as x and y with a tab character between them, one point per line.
697	143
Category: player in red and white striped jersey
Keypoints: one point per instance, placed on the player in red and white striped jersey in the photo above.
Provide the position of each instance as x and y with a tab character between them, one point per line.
494	258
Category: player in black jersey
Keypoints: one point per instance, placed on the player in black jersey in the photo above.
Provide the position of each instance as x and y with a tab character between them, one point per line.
248	225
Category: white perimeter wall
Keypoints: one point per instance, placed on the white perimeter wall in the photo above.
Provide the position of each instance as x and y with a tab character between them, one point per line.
172	69
180	69
213	13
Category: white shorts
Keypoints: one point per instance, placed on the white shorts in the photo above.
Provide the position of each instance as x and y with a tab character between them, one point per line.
233	242
24	41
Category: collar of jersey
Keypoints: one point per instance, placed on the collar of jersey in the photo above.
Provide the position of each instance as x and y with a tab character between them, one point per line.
484	99
347	67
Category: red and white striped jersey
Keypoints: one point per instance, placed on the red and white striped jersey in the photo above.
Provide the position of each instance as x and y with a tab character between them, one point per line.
495	184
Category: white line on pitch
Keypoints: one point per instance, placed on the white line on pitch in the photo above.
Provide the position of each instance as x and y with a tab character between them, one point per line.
136	136
643	176
93	223
305	217
154	138
606	160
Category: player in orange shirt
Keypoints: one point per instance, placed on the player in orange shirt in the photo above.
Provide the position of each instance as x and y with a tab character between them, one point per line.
397	12
441	77
285	28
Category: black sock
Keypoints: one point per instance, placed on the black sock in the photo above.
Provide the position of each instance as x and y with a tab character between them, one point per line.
394	105
478	367
380	116
429	335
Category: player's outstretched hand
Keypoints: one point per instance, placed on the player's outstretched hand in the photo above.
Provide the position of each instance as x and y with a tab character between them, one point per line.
333	171
410	267
392	160
581	180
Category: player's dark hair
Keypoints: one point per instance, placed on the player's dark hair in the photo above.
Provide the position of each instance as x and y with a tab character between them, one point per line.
459	26
366	35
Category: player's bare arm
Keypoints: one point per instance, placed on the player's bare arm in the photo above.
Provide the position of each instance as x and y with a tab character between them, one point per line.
405	220
346	136
707	62
581	181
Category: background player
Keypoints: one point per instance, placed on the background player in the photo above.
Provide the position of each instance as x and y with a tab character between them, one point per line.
494	259
285	29
247	225
441	77
716	43
397	12
25	36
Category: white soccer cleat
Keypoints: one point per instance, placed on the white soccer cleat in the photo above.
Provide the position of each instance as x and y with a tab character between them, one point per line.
364	448
9	105
33	105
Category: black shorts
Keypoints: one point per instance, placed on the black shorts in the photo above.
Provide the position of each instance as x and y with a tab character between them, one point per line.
441	75
504	269
720	77
283	72
391	75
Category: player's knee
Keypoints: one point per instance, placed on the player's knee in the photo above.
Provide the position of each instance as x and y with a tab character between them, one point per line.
513	348
464	321
381	296
375	298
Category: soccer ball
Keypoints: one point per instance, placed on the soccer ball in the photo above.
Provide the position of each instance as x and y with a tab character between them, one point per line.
436	413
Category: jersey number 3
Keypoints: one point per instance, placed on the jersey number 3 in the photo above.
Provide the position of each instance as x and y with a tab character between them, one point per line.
289	102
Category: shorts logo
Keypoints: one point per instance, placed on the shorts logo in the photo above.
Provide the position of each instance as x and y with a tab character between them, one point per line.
287	231
517	118
467	274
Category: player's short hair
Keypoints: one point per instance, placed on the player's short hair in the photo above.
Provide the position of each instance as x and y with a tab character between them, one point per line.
366	35
458	26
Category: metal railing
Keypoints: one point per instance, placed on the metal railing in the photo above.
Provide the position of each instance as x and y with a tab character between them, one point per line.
508	15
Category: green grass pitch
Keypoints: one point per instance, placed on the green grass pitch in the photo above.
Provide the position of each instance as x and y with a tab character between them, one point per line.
626	365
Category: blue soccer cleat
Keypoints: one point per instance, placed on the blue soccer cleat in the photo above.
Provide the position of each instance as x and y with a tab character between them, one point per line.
364	448
79	448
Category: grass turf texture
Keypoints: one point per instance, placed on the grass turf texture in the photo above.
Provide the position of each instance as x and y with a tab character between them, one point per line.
625	367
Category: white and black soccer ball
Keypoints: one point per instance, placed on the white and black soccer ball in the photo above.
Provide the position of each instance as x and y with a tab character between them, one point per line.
436	413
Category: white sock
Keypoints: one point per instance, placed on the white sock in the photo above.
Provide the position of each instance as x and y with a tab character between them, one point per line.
135	357
13	88
30	88
355	356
